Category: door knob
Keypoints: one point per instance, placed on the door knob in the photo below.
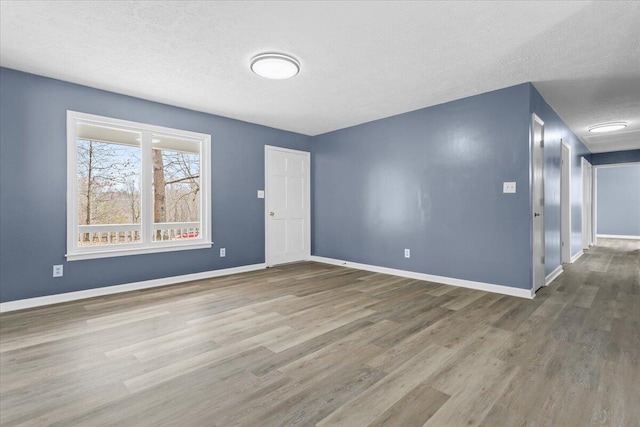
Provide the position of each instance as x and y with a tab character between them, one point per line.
536	214
271	213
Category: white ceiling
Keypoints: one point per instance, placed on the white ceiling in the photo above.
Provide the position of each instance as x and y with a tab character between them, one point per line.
360	61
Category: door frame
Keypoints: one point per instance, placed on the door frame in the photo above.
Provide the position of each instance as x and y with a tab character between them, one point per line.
307	154
588	211
594	204
536	119
565	204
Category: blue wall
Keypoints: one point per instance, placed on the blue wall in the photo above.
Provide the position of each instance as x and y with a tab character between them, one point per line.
618	200
33	187
555	131
431	181
614	157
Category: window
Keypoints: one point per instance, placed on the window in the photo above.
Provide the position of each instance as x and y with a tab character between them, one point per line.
134	188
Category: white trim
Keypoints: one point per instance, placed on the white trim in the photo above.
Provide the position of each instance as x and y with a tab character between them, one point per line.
594	205
577	256
553	275
618	236
287	150
532	147
596	235
565	204
146	188
307	154
72	178
137	251
146	245
488	287
615	165
586	204
116	289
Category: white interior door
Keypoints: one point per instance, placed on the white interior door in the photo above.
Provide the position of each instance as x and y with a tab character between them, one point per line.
565	204
288	229
537	157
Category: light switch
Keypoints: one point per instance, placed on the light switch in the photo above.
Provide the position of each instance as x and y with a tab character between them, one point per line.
509	187
57	270
260	194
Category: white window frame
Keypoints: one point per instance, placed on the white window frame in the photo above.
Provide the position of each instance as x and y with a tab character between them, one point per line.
146	246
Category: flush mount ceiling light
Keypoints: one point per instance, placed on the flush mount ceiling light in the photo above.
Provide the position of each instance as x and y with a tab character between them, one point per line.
275	66
607	127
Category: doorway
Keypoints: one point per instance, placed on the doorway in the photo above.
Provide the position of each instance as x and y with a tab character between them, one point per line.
287	205
565	204
537	200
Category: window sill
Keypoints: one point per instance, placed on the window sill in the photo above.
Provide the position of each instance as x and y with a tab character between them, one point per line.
136	251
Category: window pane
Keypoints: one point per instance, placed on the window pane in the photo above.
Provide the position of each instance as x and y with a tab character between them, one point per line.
108	185
176	188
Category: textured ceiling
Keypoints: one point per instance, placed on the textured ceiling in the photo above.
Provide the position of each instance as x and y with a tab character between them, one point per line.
360	61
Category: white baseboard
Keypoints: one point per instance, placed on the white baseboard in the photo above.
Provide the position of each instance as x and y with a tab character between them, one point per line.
116	289
552	276
617	236
489	287
577	256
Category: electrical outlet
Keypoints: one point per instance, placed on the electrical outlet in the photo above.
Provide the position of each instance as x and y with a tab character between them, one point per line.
407	253
57	270
508	187
223	252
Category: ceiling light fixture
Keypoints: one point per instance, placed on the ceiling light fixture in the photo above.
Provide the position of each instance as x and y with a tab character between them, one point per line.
275	66
607	127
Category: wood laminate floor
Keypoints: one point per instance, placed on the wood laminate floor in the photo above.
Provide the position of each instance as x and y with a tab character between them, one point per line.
312	344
